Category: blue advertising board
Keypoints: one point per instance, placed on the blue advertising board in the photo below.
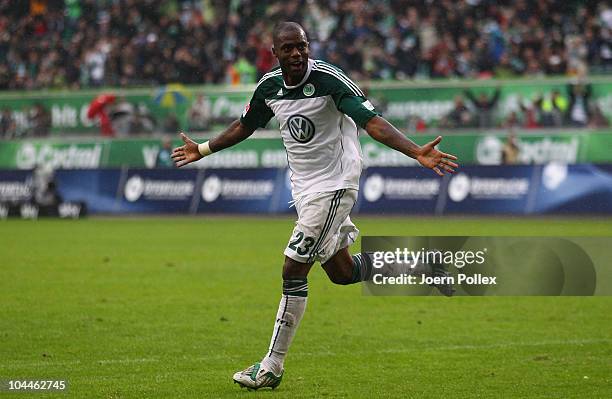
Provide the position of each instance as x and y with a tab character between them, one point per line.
541	189
240	191
15	186
158	191
490	190
399	190
96	187
284	199
573	189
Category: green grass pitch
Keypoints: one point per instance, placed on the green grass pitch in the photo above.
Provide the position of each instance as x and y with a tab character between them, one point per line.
172	307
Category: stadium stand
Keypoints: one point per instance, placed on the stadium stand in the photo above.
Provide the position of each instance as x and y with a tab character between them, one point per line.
70	44
89	43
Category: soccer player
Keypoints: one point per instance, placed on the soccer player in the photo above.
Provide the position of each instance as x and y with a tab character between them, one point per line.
319	109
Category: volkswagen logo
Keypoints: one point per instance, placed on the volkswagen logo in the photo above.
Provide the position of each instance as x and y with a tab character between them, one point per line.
301	128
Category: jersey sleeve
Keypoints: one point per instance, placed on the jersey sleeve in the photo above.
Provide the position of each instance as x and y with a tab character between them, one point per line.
257	113
351	101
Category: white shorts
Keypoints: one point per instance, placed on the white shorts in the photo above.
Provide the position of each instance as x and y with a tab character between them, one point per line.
323	226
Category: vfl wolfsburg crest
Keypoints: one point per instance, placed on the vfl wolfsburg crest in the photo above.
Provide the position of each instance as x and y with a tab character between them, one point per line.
301	128
308	90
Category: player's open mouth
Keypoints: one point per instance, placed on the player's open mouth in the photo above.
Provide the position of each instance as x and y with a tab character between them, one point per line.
297	65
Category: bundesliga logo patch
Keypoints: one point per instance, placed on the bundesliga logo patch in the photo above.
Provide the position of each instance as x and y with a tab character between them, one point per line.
246	109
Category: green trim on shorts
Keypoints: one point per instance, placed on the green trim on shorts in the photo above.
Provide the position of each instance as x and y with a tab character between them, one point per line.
333	208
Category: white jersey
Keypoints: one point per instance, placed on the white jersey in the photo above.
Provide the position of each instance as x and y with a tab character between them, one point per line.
318	124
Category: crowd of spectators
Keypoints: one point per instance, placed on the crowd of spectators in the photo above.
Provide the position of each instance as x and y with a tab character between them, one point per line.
91	43
572	107
34	121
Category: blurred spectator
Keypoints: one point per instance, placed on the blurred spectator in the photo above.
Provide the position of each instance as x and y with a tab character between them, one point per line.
598	119
576	55
510	150
99	109
484	106
164	159
5	76
143	121
245	71
8	127
94	68
553	109
39	121
513	121
265	59
130	119
171	124
459	117
199	115
578	109
531	113
122	117
94	43
416	124
505	69
45	187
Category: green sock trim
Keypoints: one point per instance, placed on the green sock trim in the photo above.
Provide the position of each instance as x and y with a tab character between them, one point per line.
295	287
362	268
356	277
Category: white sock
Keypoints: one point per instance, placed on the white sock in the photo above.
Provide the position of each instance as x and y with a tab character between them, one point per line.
290	312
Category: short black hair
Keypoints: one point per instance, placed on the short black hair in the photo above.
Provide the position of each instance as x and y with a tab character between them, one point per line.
286	26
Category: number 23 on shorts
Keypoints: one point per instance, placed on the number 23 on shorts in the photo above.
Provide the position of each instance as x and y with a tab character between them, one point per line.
302	245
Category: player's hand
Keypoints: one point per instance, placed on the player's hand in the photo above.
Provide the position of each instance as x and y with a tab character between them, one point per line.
438	161
186	153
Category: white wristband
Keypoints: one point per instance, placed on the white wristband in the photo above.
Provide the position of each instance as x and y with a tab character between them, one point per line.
204	149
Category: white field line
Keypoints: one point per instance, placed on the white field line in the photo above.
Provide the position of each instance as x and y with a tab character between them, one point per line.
411	349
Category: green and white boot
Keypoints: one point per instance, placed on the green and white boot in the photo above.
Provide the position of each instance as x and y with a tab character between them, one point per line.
256	377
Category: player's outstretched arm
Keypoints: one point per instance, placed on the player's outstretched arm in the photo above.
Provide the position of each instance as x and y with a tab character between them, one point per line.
192	151
382	131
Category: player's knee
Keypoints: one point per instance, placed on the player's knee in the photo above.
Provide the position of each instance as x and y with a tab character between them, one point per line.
294	269
341	277
289	274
